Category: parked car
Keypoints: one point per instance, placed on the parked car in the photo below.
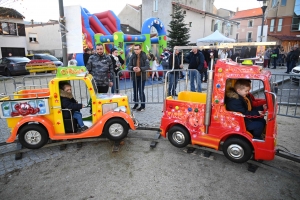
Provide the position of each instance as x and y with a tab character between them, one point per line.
13	65
45	57
295	71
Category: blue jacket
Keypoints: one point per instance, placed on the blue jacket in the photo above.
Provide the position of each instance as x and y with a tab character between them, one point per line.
196	61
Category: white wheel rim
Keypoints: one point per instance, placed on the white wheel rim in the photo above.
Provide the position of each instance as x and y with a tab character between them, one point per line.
32	137
116	130
235	151
178	137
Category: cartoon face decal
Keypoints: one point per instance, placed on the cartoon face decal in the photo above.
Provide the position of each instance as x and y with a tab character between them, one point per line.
24	109
193	121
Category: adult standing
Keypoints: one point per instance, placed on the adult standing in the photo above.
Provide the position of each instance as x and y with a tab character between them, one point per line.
281	57
86	55
117	61
196	63
275	55
223	54
101	68
173	76
138	63
292	59
267	55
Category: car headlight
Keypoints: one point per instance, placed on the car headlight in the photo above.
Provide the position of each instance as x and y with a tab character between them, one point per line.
120	108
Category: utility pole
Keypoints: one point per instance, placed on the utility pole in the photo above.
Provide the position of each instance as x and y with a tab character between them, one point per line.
263	8
63	31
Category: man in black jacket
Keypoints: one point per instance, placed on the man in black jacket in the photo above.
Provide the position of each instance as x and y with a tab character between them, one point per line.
275	55
292	59
139	63
173	76
196	62
101	68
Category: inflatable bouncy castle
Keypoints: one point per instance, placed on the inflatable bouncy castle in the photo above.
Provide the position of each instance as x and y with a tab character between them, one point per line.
105	28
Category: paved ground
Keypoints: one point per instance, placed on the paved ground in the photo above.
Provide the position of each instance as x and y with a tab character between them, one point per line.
137	172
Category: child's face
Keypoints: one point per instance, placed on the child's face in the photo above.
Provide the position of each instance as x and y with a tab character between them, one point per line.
68	89
243	92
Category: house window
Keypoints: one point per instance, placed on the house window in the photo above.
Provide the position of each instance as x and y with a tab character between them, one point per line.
250	23
212	25
155	5
274	3
279	28
237	37
8	28
283	2
184	12
21	29
249	36
231	29
190	23
32	37
272	25
296	17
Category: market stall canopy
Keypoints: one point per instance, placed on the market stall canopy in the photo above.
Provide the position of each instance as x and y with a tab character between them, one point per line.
215	37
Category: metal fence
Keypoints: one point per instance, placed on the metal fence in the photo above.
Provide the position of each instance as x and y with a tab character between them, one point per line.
287	88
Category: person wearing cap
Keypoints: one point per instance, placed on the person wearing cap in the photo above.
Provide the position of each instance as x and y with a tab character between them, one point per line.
117	63
101	68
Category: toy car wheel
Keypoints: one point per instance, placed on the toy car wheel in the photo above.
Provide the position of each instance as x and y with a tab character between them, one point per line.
116	129
237	150
33	136
179	136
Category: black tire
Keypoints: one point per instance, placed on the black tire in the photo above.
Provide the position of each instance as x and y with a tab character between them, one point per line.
33	136
116	129
7	72
237	150
179	136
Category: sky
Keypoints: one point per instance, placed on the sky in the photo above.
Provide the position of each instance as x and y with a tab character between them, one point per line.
43	10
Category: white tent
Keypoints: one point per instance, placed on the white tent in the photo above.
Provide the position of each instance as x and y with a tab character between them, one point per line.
215	37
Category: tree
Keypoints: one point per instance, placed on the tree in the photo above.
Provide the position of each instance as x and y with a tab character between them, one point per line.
178	33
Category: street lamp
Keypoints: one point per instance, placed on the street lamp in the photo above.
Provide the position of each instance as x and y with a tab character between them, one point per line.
263	8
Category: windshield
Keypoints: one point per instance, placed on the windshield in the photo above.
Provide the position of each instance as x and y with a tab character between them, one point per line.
49	57
19	59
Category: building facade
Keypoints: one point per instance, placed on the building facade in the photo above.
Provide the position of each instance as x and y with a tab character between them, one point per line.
132	16
201	17
12	33
44	38
283	19
249	21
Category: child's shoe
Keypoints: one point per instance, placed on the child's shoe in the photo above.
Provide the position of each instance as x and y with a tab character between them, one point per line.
82	129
